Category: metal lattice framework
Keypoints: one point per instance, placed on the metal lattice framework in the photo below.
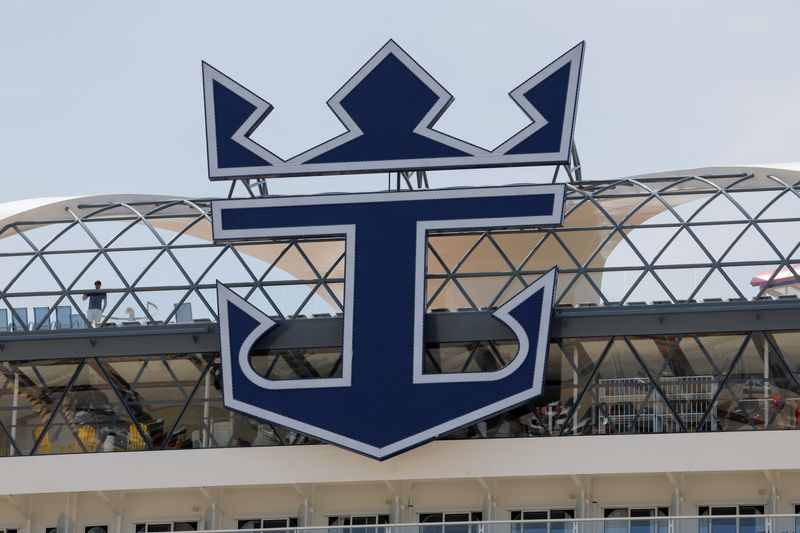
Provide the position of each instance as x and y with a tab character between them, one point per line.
659	239
151	253
652	239
645	240
644	384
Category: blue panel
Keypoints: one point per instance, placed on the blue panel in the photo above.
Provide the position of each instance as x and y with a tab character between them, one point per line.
21	323
63	320
383	405
550	99
723	525
230	112
39	314
390	108
183	313
399	216
751	525
387	105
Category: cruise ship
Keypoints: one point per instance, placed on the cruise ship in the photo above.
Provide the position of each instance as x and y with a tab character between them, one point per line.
670	400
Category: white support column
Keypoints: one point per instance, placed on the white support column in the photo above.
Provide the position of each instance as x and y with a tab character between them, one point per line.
411	515
397	505
675	510
61	523
67	519
120	525
209	518
397	513
116	509
583	504
773	500
396	509
774	505
73	515
23	511
305	514
214	510
489	505
675	503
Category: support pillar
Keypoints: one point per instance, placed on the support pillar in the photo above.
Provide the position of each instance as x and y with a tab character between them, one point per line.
305	514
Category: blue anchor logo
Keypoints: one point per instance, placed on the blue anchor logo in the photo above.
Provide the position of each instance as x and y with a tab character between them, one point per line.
384	403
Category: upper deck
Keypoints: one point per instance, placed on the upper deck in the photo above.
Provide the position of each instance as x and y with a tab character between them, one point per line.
658	327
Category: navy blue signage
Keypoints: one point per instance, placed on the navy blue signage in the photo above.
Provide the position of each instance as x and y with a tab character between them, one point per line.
389	109
384	403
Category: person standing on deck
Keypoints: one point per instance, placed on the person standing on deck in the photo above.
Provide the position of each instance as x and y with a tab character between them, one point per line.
97	304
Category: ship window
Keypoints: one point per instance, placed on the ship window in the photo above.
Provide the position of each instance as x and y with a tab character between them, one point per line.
797	520
359	520
639	524
726	520
543	527
267	523
166	527
450	517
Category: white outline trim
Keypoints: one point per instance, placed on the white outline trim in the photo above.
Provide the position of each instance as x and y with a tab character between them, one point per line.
559	190
347	323
225	296
501	314
242	135
546	282
573	57
425	126
480	158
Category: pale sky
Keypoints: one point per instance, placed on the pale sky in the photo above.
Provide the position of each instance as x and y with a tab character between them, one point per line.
106	97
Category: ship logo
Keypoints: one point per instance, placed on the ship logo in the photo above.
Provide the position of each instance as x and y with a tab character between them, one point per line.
384	402
389	109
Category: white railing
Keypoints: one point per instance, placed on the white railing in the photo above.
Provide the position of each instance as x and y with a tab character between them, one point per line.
750	523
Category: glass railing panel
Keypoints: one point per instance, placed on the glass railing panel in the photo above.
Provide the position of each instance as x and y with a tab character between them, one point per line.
714	523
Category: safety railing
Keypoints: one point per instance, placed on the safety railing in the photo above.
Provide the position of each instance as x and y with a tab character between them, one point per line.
715	523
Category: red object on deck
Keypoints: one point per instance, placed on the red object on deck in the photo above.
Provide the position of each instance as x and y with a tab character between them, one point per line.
784	277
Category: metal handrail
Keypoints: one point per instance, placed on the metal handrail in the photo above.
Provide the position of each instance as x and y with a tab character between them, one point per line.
511	522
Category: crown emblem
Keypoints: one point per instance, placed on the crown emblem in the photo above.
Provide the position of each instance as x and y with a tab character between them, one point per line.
389	108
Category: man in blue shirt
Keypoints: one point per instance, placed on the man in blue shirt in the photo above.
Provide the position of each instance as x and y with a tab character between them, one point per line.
97	304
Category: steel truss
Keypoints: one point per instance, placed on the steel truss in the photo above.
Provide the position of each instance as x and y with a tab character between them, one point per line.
481	270
668	372
614	367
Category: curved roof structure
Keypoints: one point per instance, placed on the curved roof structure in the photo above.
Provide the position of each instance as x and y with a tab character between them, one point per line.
676	236
705	234
52	208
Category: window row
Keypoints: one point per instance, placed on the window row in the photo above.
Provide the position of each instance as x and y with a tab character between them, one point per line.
713	519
